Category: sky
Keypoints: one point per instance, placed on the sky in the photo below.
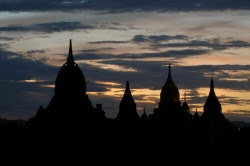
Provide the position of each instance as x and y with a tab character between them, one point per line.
115	41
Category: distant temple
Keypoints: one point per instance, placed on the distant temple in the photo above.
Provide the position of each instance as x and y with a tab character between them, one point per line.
170	110
196	116
185	106
212	117
127	108
144	116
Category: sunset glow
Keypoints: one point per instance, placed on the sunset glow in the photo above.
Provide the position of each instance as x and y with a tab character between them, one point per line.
136	44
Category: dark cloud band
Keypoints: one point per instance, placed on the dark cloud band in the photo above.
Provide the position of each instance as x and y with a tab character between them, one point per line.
47	27
114	6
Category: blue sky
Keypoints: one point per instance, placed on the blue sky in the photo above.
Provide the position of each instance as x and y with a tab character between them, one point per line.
116	41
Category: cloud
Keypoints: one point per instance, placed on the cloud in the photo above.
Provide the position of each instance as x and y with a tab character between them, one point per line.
6	38
122	5
186	77
214	44
108	42
188	43
93	55
235	101
35	51
4	45
27	95
156	39
96	50
238	43
145	39
47	27
16	67
178	41
219	73
113	26
115	23
238	115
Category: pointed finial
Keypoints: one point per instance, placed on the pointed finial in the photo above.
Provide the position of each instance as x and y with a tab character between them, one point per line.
70	58
185	97
144	111
196	109
169	68
127	85
169	79
212	81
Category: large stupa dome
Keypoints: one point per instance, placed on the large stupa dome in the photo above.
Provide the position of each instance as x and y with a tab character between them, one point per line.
169	91
70	79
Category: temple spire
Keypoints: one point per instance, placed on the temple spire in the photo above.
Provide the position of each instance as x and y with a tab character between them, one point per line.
212	103
127	86
127	94
169	73
169	90
127	107
70	59
144	115
196	115
212	86
212	82
185	97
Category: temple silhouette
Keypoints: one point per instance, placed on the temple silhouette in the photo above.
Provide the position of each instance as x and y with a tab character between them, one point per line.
127	108
170	109
71	111
70	104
